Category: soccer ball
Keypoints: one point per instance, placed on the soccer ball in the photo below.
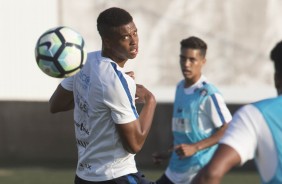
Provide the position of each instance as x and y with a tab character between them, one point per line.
60	52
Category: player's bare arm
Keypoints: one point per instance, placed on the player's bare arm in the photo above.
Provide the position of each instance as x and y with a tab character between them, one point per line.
134	134
61	100
186	150
224	159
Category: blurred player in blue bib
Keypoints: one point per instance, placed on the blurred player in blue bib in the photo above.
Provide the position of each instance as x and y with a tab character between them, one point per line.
200	117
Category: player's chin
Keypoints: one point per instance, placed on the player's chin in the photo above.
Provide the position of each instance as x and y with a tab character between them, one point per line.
186	75
133	53
132	56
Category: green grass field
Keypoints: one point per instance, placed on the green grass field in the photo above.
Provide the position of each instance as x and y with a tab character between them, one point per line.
37	175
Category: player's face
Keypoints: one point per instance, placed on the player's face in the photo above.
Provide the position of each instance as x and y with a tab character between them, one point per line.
123	44
191	62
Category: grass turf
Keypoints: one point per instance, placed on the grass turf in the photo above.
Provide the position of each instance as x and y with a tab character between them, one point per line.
36	175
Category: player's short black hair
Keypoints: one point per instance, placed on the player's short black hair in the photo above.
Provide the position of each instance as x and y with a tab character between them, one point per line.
276	57
194	42
112	18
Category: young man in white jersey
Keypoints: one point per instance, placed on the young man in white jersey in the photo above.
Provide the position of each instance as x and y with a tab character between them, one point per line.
200	117
254	133
109	131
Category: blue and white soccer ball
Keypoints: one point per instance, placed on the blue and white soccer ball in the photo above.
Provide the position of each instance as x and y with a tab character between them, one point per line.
60	52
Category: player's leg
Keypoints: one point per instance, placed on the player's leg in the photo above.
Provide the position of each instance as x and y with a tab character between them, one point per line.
164	180
81	181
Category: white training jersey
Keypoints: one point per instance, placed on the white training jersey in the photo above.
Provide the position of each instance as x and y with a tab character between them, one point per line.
104	96
249	135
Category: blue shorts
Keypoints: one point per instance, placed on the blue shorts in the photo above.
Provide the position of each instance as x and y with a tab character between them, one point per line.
164	180
135	178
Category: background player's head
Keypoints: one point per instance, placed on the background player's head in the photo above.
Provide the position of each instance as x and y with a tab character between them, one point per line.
276	57
194	43
118	33
192	58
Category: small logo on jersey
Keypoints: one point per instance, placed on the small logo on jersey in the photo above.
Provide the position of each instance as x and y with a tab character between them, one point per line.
82	104
82	143
204	92
83	166
85	80
82	128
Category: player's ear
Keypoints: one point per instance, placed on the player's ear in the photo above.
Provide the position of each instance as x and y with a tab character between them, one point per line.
204	61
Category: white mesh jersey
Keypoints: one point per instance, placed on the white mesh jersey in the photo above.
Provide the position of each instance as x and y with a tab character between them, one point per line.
249	135
104	96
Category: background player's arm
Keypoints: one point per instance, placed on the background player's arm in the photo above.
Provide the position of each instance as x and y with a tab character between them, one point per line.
61	100
186	150
134	134
219	115
223	160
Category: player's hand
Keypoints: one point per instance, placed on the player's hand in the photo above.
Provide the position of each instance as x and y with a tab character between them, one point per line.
131	74
143	95
185	150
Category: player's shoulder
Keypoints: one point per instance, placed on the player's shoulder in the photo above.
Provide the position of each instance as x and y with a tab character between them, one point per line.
247	110
180	84
210	88
96	56
91	58
269	101
93	54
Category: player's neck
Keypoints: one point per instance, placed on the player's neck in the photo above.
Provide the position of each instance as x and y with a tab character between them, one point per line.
119	61
190	82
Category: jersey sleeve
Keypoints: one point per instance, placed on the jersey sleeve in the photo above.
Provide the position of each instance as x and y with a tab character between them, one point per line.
217	110
119	96
67	83
241	134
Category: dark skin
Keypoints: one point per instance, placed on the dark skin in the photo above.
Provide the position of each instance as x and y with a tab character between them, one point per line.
61	100
120	45
225	158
